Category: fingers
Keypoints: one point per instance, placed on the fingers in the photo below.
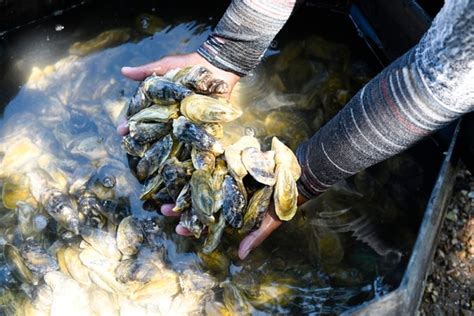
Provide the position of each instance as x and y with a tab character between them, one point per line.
167	210
180	230
141	72
122	128
269	223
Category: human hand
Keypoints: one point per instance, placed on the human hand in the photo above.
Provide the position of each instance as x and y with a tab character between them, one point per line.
162	66
270	222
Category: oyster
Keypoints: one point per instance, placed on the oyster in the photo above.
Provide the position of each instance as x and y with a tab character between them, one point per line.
15	188
260	165
214	129
234	300
204	160
191	222
152	185
183	201
101	41
156	90
132	147
101	241
195	135
68	295
74	266
234	202
233	155
154	157
175	175
284	156
145	133
200	79
17	265
60	207
257	207
155	114
129	236
25	217
202	196
215	234
286	194
37	259
203	109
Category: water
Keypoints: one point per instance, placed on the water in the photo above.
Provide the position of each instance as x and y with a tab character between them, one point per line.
60	114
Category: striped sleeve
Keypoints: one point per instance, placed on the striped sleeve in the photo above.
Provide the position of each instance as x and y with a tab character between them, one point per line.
244	33
421	92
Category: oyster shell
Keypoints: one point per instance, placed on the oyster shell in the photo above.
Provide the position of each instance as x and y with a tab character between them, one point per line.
188	132
260	165
203	109
154	157
130	236
202	196
286	194
234	202
257	207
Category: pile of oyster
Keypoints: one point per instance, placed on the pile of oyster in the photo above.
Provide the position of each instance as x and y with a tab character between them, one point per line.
175	146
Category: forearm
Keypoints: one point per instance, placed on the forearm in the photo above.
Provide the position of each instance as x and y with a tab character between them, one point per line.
422	91
244	33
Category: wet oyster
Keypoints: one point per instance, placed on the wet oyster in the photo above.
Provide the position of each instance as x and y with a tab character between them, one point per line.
215	234
183	201
284	156
191	222
257	207
101	241
202	196
204	109
175	175
74	266
154	157
37	259
204	160
233	155
189	132
129	236
17	265
201	80
148	132
260	165
60	207
132	147
233	204
286	194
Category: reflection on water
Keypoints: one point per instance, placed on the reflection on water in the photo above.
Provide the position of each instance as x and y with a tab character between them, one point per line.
62	159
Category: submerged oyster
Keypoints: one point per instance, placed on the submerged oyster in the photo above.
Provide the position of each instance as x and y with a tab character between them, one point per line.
60	207
129	236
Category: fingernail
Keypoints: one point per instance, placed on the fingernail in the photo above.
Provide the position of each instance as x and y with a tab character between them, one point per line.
244	253
126	68
167	210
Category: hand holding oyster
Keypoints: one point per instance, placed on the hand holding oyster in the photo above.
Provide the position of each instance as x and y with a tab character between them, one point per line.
176	132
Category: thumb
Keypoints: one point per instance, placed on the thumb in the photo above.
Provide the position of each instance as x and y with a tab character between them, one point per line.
141	72
270	222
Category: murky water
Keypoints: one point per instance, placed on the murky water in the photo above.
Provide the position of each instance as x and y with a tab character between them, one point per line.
62	103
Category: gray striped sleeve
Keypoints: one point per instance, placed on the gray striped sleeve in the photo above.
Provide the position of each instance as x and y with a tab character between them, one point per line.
244	33
424	90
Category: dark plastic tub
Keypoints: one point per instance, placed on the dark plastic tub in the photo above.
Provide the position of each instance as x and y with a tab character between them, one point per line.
390	28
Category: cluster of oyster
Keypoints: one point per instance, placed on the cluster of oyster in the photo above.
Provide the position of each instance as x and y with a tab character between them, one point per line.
80	253
174	143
